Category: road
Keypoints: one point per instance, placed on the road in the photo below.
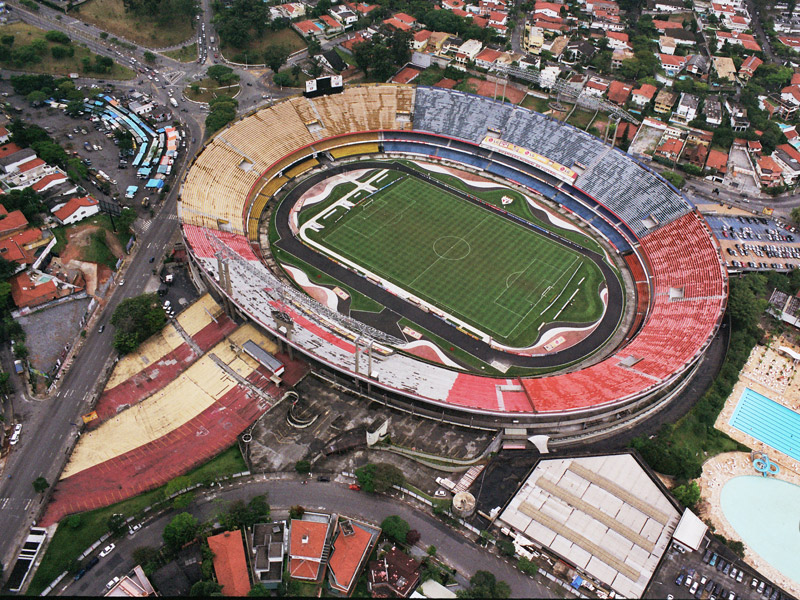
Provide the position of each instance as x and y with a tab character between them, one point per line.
453	548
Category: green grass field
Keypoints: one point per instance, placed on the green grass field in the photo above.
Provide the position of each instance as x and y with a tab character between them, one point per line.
498	276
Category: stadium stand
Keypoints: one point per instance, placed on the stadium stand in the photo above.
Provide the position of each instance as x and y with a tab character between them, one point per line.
688	280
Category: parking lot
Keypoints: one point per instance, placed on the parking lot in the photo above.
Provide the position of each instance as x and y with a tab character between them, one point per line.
713	573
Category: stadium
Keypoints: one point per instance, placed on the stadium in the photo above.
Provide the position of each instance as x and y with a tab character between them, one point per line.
458	257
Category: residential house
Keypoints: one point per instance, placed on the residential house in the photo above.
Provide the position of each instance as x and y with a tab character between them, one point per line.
352	544
332	26
725	67
666	45
489	59
230	564
596	87
619	92
747	41
133	584
452	4
738	23
699	137
792	42
362	8
579	50
712	110
662	26
695	155
672	65
717	161
11	222
670	148
548	77
49	181
436	41
309	28
420	40
665	100
687	108
776	106
749	66
407	74
332	60
548	9
405	18
343	14
292	10
396	24
28	291
10	162
791	94
681	37
309	545
697	65
643	95
4	135
770	173
754	147
667	5
534	39
618	41
618	56
77	209
470	49
738	113
268	546
788	158
393	574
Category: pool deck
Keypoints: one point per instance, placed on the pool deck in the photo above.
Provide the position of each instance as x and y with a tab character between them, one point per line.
717	471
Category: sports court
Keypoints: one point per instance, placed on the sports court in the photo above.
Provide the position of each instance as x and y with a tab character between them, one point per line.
492	273
768	422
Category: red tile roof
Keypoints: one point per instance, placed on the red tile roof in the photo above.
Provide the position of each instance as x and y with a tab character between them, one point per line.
306	545
331	22
397	24
647	90
619	92
72	205
25	293
717	160
12	222
8	149
422	35
768	165
307	26
31	164
47	180
670	146
348	553
791	151
751	63
663	25
405	18
406	75
615	35
230	564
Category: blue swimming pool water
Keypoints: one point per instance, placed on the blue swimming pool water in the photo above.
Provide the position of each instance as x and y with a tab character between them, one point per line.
765	512
768	422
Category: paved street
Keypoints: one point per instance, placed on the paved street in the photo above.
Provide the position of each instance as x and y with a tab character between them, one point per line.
456	550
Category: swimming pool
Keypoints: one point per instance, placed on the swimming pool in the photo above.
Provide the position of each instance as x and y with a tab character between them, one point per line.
765	512
768	422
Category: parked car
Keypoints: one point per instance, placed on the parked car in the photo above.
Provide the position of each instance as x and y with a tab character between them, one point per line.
107	550
15	434
112	583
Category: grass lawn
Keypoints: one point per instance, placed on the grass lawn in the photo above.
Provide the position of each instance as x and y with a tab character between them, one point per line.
538	104
210	89
495	274
348	58
110	16
580	118
255	49
184	54
25	34
68	543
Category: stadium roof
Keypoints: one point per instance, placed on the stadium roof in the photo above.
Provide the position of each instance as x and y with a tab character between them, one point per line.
604	514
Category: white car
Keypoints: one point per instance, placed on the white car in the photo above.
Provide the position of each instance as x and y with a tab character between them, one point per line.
112	583
107	550
15	435
134	528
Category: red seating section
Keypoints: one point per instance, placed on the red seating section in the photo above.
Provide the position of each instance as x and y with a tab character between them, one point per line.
204	248
642	289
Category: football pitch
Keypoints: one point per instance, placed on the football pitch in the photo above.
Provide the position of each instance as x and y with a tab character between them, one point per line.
497	275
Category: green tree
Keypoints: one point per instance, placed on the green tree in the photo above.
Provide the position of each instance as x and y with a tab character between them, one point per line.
135	320
296	512
379	477
116	523
282	79
528	567
74	521
412	537
144	555
303	467
483	584
505	547
795	214
206	589
431	550
40	484
182	529
688	494
395	529
149	57
220	73
59	37
126	219
275	56
259	591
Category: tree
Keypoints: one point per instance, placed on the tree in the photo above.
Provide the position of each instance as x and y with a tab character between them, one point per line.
297	511
303	467
505	547
181	530
74	521
795	214
259	591
149	57
144	555
116	523
275	56
412	537
220	73
40	484
484	584
379	477
688	494
126	219
431	550
528	567
135	320
674	178
395	529
282	79
59	37
205	589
